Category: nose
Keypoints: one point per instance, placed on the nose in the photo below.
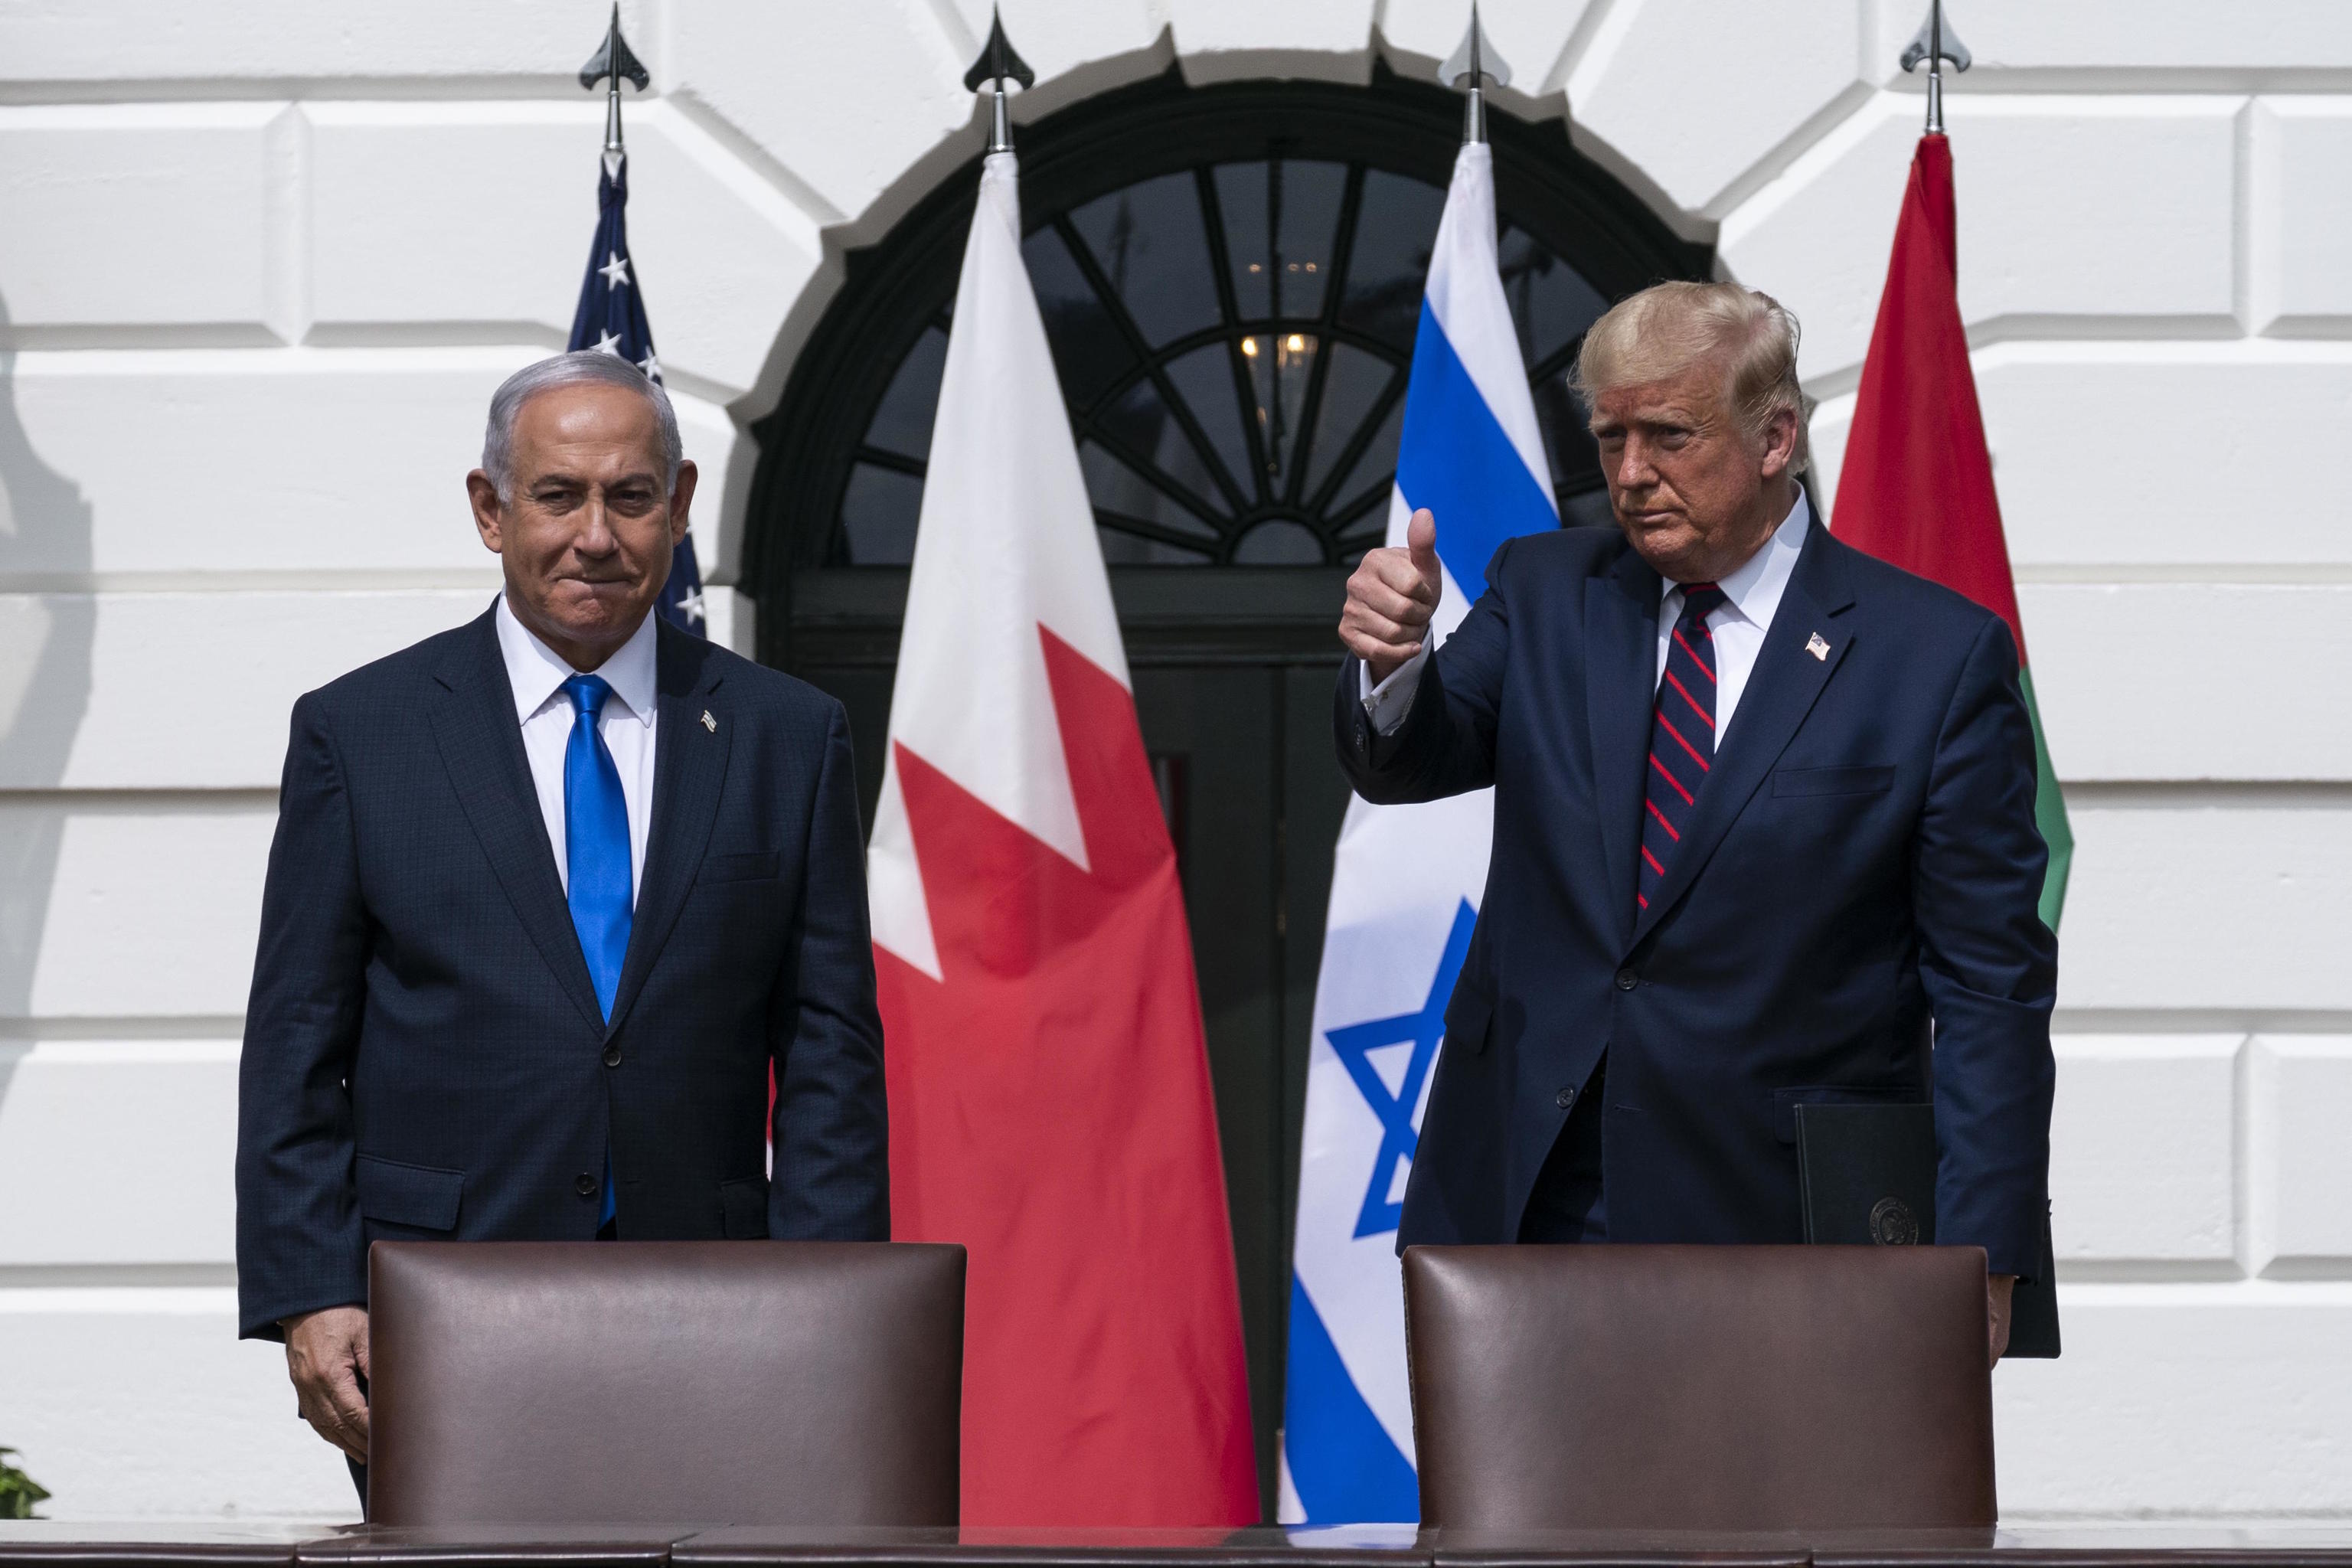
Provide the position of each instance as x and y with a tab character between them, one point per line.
1634	466
596	536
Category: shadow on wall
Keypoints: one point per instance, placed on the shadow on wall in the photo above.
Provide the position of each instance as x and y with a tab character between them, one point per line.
45	640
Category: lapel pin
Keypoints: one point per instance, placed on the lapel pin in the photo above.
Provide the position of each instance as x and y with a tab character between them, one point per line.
1816	645
712	724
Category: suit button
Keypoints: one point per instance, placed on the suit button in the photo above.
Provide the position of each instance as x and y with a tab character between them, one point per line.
1627	980
1564	1099
584	1184
611	1056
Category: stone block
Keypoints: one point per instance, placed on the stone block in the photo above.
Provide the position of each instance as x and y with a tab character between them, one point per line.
2207	906
2302	1157
2187	1400
1221	40
844	100
2300	247
158	40
2057	217
2209	656
2130	39
1740	81
136	216
440	214
145	907
2143	1164
141	1403
234	461
86	1129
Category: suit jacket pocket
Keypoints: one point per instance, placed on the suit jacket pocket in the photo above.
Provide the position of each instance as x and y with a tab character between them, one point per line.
420	1196
743	1208
1469	1016
1789	782
759	863
1786	1100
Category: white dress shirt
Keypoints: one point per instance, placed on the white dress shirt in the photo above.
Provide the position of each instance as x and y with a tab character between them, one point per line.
1750	597
537	672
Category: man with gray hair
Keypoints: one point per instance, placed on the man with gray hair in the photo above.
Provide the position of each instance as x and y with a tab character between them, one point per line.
1763	824
552	895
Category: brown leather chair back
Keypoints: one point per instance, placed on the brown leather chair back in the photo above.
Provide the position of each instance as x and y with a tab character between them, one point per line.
1699	1387
737	1382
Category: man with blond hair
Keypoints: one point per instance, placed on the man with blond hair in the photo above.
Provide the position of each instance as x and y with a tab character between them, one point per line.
1763	824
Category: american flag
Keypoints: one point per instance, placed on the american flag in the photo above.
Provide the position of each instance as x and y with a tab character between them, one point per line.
612	319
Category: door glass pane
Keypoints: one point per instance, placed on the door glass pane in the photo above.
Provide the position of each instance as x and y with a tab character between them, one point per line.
1204	380
1148	241
902	423
877	516
1280	542
1279	365
1089	350
1280	220
1139	420
1114	486
1350	387
1550	301
1396	225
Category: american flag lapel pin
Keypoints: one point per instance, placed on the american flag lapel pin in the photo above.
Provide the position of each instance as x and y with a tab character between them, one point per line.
712	724
1818	646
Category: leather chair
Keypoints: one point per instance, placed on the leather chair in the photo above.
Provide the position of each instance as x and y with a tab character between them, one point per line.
730	1382
1720	1388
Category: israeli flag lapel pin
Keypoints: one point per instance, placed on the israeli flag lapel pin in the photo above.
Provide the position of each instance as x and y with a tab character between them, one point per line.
712	724
1818	646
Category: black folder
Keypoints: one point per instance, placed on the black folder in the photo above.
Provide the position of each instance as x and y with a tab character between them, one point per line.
1867	1178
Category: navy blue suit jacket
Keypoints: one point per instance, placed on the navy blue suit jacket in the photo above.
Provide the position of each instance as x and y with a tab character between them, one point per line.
1862	864
423	1053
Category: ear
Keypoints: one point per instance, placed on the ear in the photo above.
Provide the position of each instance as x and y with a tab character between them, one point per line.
681	501
490	514
1780	442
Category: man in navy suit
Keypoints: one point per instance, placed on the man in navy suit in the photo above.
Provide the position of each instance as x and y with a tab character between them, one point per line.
1763	824
551	894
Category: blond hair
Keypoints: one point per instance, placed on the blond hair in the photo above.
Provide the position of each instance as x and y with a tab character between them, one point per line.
1668	328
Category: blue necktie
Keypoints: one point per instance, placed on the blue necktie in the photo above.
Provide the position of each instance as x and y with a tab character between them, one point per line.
1682	736
597	853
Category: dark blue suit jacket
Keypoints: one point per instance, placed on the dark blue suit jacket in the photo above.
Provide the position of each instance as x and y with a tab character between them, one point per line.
423	1053
1862	863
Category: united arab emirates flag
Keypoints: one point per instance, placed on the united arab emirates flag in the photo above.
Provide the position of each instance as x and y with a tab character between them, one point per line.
1916	488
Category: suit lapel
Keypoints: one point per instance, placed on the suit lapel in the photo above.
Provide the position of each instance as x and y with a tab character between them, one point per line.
481	746
689	767
1782	688
1620	634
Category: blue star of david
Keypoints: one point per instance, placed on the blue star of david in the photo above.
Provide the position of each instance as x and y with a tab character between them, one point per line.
1355	1042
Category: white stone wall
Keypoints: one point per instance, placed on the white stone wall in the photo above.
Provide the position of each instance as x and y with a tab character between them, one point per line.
260	265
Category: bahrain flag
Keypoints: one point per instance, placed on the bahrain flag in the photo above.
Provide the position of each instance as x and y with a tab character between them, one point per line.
1050	1104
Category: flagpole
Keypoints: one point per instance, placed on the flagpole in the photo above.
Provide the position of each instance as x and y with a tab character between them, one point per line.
1473	64
997	63
610	63
1936	43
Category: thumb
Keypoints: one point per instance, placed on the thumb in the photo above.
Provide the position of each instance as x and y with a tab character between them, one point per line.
1421	540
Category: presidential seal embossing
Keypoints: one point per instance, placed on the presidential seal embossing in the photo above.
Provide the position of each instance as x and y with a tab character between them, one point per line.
1891	1223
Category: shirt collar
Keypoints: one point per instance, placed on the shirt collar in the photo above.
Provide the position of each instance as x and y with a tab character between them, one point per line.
537	672
1755	589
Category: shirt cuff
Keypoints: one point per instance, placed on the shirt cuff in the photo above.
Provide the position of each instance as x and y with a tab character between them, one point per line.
1386	703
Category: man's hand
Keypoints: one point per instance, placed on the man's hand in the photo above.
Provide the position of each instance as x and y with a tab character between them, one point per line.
327	1356
1391	598
1997	1288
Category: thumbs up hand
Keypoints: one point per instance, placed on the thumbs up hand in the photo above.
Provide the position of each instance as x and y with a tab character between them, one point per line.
1391	598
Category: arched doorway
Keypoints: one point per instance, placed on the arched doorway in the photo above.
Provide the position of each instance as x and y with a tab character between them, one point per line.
1231	278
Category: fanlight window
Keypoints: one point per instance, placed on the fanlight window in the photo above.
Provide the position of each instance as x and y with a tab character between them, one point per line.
1233	340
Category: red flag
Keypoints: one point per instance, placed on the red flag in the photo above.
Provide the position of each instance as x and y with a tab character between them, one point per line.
1050	1102
1916	488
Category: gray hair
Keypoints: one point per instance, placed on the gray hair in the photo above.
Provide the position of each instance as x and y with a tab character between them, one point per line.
1668	328
582	367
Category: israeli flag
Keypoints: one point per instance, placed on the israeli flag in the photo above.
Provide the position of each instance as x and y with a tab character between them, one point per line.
1404	894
